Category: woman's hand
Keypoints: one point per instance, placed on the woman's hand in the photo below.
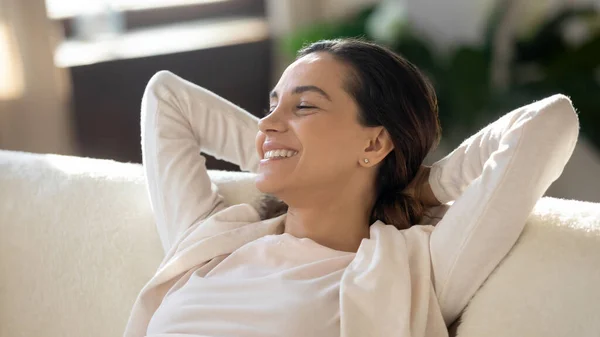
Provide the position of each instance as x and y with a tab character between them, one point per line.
420	189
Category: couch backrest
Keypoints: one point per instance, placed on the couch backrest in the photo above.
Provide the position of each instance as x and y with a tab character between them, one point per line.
77	243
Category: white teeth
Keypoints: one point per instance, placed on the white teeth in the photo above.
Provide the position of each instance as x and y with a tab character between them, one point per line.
280	153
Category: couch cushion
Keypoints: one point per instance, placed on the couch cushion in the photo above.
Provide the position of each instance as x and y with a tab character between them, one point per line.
77	242
549	283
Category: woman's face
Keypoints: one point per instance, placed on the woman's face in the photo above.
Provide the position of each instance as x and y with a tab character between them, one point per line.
315	120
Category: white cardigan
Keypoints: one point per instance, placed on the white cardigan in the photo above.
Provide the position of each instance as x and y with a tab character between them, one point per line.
409	282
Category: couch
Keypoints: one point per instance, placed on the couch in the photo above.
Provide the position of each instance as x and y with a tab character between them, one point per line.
77	243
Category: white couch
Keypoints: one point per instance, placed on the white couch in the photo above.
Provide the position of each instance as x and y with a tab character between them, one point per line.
77	242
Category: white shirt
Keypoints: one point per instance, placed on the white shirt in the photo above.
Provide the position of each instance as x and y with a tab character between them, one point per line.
278	285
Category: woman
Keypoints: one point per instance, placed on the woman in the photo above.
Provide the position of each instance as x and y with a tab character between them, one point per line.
342	144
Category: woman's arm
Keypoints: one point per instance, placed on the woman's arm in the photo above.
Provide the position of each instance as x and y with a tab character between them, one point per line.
178	121
495	177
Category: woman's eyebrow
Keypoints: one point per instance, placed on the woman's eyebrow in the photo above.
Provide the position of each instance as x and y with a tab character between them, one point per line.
304	88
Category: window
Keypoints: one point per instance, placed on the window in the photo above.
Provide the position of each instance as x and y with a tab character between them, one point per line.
148	13
104	30
61	9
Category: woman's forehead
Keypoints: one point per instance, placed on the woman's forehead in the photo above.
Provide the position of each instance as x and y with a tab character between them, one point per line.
319	69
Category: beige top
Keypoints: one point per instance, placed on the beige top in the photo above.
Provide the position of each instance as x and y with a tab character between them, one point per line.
400	283
278	285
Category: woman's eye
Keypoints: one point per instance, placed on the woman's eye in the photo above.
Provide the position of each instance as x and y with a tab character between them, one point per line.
269	111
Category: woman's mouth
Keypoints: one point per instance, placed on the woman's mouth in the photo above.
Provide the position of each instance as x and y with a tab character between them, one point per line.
278	155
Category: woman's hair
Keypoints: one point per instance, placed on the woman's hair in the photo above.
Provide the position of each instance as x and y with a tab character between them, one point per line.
390	92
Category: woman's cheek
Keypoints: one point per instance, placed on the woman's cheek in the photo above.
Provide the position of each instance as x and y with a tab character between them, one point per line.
258	142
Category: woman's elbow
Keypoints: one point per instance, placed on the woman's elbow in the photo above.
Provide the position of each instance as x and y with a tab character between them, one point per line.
562	122
567	115
160	80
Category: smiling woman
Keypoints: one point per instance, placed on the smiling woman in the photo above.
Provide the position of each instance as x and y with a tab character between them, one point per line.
350	123
329	80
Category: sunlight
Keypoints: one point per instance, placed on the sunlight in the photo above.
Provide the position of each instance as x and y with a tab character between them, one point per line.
162	40
60	9
11	67
105	168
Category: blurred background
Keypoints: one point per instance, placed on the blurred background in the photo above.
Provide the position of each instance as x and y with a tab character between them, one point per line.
72	72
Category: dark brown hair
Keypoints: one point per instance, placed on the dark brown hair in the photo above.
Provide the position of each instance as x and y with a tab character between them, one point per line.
390	92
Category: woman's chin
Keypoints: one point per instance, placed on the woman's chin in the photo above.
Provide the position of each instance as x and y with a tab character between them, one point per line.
267	183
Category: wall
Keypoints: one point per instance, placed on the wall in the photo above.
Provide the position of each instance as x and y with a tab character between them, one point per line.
581	177
36	117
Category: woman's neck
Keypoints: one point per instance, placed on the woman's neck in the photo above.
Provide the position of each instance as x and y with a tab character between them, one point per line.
330	225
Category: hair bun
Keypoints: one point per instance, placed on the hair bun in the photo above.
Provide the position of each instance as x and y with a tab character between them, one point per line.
268	206
398	209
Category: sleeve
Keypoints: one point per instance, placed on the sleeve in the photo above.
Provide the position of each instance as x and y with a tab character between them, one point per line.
178	121
495	178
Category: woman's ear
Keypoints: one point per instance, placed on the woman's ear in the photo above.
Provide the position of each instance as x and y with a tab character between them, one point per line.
378	145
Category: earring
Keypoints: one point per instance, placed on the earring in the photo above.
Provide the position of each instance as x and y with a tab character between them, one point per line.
366	161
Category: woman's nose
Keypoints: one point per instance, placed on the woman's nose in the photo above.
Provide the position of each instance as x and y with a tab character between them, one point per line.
272	122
